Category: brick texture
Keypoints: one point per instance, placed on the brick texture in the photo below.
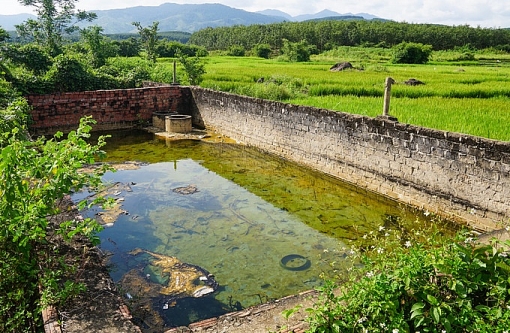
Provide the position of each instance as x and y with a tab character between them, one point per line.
112	109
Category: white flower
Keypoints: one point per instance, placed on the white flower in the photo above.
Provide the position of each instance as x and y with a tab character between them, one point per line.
426	213
443	331
395	330
352	252
468	240
362	319
380	250
386	234
407	244
381	228
365	236
383	325
472	211
370	274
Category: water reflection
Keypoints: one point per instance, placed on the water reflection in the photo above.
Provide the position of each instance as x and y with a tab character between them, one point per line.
264	227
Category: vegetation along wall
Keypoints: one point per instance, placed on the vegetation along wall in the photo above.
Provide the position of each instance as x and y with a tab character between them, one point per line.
112	109
461	177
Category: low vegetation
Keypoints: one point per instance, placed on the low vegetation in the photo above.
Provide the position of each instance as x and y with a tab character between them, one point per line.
418	282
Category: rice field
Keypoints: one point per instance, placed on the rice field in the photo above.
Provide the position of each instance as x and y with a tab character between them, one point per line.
471	97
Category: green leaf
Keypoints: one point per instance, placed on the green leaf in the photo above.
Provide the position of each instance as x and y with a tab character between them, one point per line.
417	306
436	314
432	300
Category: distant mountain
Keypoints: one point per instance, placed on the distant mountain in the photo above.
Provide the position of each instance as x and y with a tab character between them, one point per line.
177	17
277	13
326	14
8	22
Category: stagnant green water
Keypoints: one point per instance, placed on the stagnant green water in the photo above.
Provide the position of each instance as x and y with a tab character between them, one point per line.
249	212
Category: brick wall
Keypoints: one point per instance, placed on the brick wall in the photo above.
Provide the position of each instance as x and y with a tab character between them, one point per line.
461	177
112	109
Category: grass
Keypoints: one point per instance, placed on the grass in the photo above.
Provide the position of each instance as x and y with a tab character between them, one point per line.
471	97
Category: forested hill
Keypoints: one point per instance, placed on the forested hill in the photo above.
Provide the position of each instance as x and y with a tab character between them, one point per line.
330	33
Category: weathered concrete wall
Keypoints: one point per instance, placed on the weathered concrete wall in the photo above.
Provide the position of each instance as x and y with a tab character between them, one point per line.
112	109
461	177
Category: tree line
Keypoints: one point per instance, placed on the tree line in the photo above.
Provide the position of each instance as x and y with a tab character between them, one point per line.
326	35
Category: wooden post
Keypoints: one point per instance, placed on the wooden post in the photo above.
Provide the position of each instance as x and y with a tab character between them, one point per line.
175	75
387	95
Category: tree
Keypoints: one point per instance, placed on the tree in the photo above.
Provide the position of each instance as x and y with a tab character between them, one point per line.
149	39
128	48
411	53
99	47
4	35
262	50
194	68
296	52
54	19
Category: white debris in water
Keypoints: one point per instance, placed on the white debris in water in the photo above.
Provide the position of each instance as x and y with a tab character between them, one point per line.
203	291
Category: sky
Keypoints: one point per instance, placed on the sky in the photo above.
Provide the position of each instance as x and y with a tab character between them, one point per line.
484	13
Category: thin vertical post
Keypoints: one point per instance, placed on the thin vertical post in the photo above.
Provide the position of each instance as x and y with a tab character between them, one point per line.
387	95
175	74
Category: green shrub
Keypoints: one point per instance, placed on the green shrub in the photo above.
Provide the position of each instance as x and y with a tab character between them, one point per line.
236	51
194	69
34	176
411	53
431	285
70	73
262	50
296	52
33	57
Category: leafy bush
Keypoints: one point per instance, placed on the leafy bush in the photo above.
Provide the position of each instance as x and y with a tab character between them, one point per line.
128	48
236	51
34	176
429	286
194	69
411	53
7	93
33	57
262	50
70	73
14	116
296	52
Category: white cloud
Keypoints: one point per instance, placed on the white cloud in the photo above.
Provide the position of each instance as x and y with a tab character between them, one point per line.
486	13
